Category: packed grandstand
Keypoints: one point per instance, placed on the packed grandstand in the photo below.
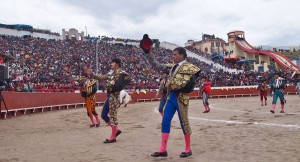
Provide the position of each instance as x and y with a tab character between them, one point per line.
41	65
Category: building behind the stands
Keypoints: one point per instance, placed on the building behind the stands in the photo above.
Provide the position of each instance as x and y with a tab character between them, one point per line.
209	44
22	30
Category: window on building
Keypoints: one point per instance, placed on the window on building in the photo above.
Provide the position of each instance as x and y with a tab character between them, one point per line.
212	44
256	59
217	44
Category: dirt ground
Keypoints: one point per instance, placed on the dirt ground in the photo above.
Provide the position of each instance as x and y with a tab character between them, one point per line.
236	129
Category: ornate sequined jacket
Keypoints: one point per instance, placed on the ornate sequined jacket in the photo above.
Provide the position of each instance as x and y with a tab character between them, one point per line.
262	87
89	88
182	76
182	80
116	80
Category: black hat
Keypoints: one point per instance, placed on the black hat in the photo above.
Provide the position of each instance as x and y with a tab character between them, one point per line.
117	61
165	71
83	76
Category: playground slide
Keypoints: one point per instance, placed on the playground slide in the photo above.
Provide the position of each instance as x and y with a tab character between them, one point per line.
279	58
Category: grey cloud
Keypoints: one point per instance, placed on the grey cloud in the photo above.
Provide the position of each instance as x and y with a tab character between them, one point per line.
264	21
135	10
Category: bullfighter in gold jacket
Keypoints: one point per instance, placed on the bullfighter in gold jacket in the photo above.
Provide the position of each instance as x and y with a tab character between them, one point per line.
116	81
88	90
181	81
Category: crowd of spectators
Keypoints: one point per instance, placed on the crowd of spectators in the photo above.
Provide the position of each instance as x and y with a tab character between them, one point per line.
42	65
39	61
245	78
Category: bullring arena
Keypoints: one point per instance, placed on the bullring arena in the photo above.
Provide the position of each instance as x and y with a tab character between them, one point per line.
236	129
65	67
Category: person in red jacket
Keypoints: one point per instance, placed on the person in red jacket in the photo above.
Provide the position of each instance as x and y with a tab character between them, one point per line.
204	89
146	44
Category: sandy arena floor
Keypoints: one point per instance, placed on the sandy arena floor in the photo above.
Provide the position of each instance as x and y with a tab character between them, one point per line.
236	129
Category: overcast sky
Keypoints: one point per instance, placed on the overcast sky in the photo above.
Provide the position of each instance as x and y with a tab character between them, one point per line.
265	22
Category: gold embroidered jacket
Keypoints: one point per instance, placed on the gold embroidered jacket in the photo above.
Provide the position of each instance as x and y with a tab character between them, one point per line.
180	78
116	80
182	75
89	88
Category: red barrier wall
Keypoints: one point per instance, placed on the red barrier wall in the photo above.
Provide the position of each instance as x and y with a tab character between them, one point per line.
17	100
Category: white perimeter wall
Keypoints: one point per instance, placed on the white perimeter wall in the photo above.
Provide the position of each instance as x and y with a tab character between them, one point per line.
20	33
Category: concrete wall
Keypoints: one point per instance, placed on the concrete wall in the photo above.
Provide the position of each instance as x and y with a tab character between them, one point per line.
19	103
17	100
21	33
